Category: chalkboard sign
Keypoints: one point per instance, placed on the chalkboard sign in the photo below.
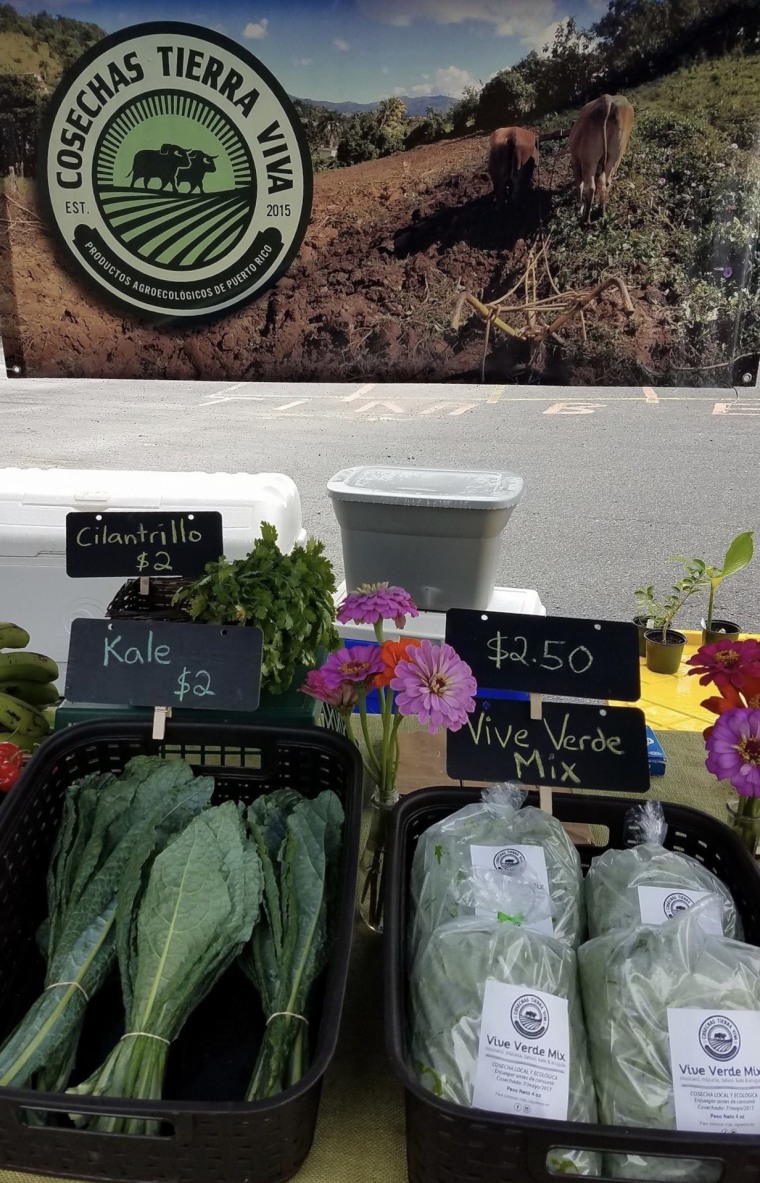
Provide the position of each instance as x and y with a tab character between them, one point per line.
140	663
557	655
573	746
136	543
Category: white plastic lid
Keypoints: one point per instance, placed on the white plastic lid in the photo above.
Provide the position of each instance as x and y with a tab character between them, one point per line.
445	488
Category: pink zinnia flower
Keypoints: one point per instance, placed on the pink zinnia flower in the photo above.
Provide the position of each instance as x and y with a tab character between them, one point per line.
377	601
726	663
356	666
343	697
434	684
733	750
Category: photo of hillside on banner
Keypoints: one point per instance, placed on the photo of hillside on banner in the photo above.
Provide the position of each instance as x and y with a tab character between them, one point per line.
505	191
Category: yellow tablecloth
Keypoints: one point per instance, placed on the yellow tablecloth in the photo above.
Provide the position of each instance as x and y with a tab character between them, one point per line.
671	702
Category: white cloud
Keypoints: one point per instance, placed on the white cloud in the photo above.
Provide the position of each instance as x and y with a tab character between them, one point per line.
302	61
256	30
450	81
531	21
341	44
385	70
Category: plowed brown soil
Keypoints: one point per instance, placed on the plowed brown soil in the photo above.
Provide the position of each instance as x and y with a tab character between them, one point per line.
391	245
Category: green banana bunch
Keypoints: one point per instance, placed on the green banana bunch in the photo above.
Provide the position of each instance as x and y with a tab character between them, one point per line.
26	684
18	716
23	666
13	637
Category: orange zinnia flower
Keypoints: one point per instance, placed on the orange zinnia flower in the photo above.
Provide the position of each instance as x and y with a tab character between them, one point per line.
391	653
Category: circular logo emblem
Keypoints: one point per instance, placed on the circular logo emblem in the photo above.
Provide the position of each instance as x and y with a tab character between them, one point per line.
508	859
720	1038
529	1016
676	902
176	172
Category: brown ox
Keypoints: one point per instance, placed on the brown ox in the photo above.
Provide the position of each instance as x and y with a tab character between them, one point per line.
598	139
511	163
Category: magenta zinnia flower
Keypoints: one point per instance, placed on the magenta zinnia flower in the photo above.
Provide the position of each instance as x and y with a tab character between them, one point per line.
733	750
434	684
377	601
726	663
356	666
343	697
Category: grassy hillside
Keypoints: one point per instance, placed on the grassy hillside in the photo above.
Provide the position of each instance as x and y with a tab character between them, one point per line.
22	54
42	44
682	222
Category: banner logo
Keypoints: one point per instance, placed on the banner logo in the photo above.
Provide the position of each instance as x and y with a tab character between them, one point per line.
176	172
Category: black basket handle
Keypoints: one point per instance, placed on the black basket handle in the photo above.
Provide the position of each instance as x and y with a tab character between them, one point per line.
538	1143
42	1138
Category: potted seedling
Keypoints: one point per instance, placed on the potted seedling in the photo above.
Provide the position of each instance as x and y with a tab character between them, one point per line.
738	555
664	644
646	617
290	596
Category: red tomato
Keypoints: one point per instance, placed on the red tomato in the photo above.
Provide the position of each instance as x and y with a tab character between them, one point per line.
11	763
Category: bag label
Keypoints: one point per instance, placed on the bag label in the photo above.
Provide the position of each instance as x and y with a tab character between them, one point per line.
715	1059
523	1065
660	904
508	858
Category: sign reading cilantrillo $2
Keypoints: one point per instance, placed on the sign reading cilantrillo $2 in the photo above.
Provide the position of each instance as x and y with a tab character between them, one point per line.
176	172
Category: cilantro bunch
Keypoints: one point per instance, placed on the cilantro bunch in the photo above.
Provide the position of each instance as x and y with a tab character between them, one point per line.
290	597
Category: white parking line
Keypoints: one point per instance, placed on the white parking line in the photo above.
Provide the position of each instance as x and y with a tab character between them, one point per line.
397	410
574	408
650	395
461	410
349	398
288	406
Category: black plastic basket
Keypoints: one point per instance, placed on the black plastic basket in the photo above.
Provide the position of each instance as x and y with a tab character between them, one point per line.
211	1135
447	1143
130	604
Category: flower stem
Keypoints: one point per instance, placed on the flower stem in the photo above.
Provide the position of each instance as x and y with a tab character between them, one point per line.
374	765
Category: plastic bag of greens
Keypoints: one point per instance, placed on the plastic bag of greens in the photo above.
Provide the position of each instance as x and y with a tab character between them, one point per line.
673	1019
494	834
497	1024
647	884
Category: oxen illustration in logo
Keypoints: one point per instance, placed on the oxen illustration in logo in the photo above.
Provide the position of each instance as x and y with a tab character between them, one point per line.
675	903
508	859
529	1016
171	165
720	1038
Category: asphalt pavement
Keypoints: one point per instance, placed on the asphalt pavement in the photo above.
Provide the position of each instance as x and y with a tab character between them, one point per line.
616	479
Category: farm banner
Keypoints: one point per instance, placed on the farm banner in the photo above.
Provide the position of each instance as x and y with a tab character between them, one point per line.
545	191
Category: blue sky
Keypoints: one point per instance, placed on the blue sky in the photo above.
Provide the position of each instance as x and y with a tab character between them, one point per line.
362	50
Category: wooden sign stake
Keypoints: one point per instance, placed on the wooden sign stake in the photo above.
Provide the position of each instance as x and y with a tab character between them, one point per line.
160	715
535	706
545	799
145	585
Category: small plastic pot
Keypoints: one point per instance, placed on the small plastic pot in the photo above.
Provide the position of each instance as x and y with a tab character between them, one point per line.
721	630
642	624
664	657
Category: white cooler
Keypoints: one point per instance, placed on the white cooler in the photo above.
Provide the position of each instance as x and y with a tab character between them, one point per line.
431	626
35	591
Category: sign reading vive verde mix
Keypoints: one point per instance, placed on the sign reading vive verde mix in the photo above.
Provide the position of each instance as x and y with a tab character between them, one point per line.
571	746
175	172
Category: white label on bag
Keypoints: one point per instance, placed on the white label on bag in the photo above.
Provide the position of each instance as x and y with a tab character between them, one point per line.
659	904
715	1059
523	1063
506	858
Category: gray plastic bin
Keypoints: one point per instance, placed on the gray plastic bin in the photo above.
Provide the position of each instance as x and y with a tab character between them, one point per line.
435	532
